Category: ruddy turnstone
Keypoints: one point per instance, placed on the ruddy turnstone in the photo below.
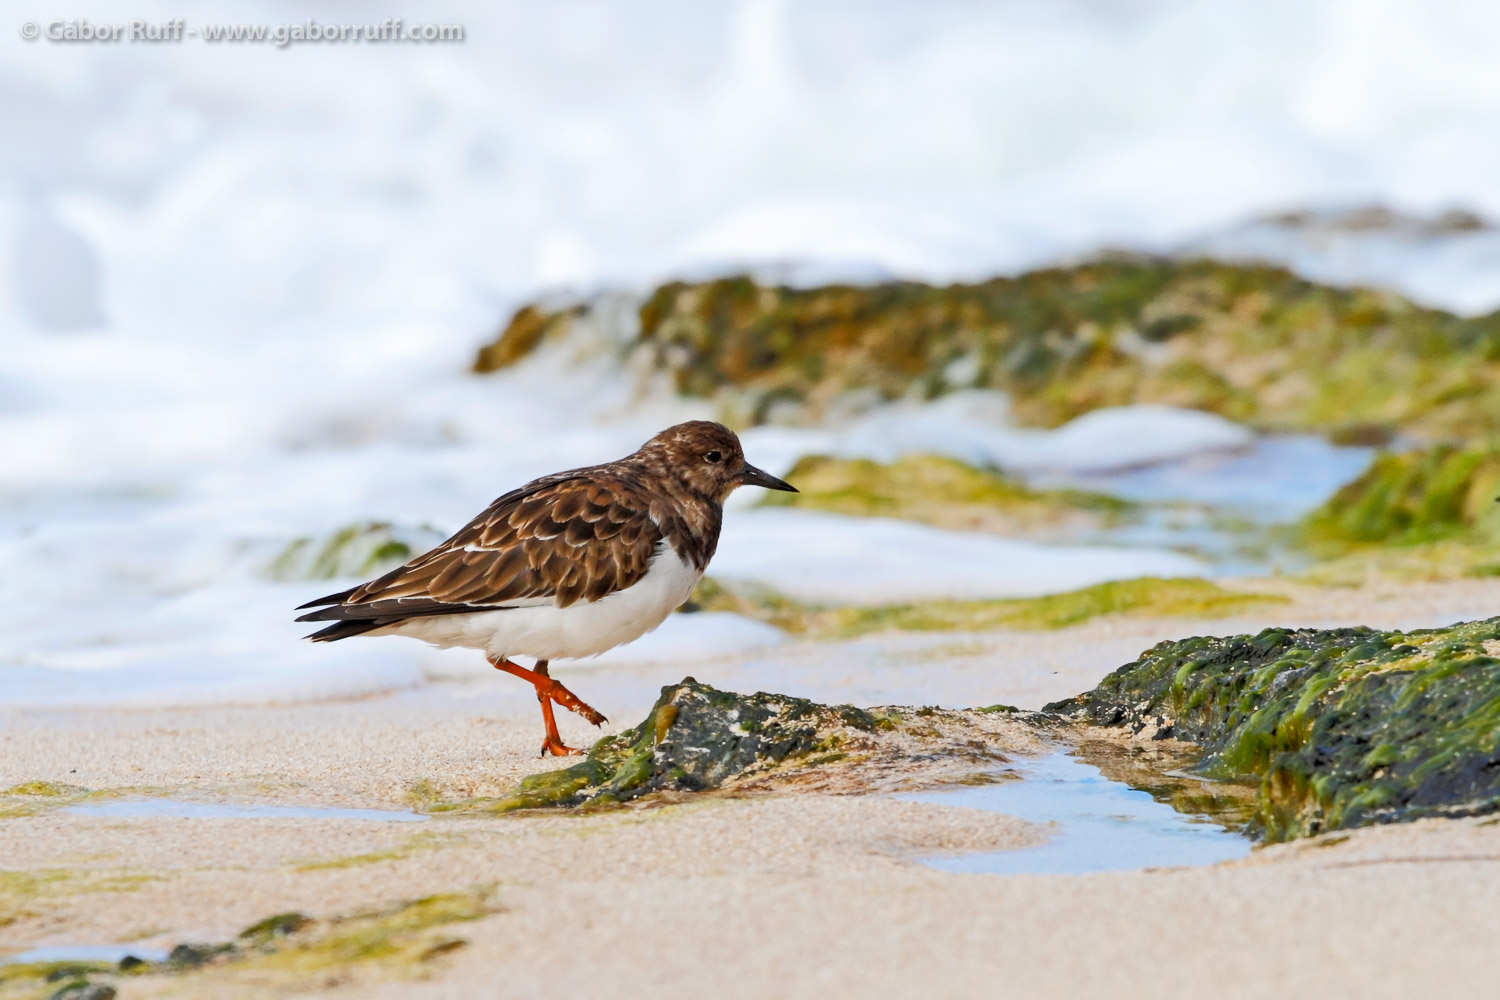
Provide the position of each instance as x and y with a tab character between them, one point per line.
569	565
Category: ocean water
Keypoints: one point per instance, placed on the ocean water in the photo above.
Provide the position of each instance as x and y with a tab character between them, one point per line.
595	143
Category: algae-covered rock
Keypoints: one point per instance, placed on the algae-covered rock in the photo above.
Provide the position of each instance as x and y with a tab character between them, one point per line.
190	956
84	991
604	326
1157	597
279	925
272	956
696	738
942	491
44	789
1375	218
1343	727
49	980
1177	597
1254	343
527	329
1408	498
364	548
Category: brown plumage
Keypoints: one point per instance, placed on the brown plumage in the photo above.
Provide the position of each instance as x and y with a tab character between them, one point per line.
570	539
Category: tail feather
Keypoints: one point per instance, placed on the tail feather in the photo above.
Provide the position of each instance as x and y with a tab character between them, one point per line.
338	598
343	630
357	619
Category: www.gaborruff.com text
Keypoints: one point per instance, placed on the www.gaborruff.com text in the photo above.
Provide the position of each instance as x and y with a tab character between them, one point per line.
391	29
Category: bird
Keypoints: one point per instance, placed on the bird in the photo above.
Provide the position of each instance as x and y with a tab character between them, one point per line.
568	566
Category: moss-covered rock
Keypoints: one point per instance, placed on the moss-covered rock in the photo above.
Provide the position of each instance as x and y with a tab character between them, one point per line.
364	548
32	797
1409	498
278	952
48	980
695	738
526	331
942	491
399	934
1342	727
1184	597
1254	343
1178	597
45	789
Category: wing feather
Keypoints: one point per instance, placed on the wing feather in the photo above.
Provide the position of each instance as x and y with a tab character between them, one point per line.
564	538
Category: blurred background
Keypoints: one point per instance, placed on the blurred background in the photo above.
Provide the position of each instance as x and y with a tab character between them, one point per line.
1031	299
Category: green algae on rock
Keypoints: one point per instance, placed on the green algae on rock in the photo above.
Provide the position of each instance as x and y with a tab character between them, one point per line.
29	797
32	797
68	980
1342	727
1411	498
1186	597
359	549
1254	343
1183	597
45	789
525	332
400	933
280	951
263	932
941	491
695	738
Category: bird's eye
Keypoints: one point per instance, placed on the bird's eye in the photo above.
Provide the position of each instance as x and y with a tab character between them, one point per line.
712	456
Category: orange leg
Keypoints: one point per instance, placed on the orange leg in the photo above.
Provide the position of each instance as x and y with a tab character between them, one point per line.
547	692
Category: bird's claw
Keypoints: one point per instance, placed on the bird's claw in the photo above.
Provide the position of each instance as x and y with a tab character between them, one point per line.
557	748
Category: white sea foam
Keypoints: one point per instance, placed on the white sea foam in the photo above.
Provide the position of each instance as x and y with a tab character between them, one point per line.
828	559
244	284
1457	268
971	426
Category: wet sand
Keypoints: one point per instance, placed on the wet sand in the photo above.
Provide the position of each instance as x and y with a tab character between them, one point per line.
795	894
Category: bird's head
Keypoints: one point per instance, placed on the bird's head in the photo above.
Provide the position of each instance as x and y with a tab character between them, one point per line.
705	457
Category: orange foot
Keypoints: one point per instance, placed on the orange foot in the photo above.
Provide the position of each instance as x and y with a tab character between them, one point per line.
554	747
547	692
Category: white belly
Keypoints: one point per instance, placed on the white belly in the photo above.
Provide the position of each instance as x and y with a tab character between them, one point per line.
548	632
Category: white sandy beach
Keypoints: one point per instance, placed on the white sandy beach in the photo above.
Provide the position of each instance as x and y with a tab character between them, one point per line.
796	894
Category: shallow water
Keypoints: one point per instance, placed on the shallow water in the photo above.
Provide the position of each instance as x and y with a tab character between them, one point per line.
1225	507
1098	825
141	808
85	953
1276	479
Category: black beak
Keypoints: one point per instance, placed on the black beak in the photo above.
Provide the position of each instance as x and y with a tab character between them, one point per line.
754	477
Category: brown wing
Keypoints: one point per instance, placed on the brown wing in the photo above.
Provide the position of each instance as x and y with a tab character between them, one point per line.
563	539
